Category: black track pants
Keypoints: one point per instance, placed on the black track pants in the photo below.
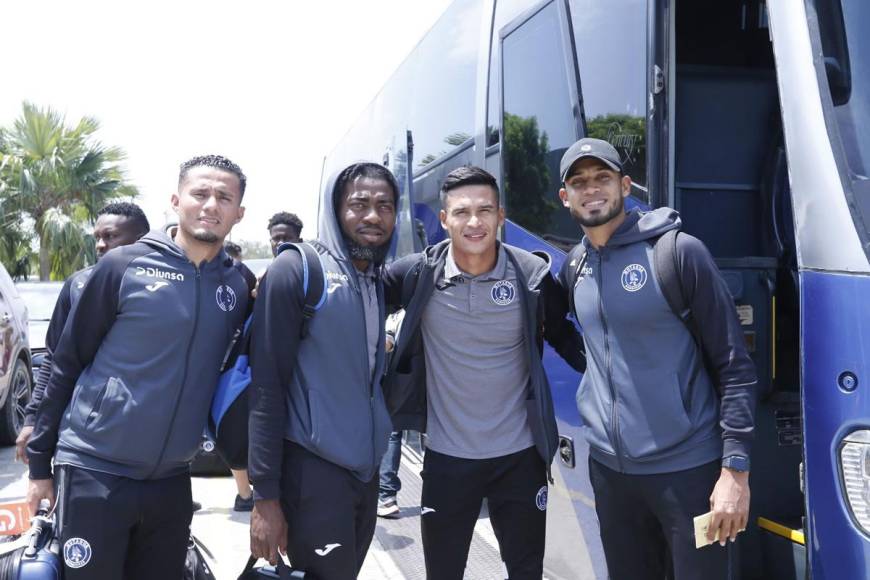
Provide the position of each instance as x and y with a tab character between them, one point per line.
116	528
646	524
515	487
330	513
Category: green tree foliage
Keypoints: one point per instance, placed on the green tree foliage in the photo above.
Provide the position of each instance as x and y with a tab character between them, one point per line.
527	178
56	177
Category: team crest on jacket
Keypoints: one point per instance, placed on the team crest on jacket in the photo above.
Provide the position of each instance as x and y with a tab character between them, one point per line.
503	292
541	499
77	552
634	277
226	298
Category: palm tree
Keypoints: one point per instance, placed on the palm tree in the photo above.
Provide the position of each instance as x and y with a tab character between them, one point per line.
59	176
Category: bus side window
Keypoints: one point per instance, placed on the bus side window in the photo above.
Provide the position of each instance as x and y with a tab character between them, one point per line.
537	126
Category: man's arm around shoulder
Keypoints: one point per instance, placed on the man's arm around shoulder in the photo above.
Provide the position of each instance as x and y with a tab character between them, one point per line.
394	277
560	331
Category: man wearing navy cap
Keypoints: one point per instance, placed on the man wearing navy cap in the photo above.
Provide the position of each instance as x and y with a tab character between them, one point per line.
664	428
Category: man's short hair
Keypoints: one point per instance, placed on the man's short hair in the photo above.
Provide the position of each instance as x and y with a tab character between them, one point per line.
286	218
129	210
357	170
233	249
467	175
218	162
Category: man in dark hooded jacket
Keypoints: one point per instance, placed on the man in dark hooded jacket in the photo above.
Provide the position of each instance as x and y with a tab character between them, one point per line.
134	373
318	423
669	436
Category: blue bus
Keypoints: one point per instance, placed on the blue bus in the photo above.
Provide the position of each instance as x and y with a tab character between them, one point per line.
750	117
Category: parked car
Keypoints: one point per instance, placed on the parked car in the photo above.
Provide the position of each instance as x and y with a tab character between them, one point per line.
40	298
16	380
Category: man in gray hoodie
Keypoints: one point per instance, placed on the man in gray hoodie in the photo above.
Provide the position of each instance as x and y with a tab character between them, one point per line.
134	373
669	436
318	423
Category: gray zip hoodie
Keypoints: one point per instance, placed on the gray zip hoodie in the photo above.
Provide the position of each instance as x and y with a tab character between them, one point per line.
649	403
138	361
318	391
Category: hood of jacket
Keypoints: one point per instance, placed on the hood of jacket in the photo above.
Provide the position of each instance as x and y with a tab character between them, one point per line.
329	232
642	225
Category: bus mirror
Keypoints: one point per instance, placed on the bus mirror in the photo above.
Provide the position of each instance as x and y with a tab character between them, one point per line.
838	80
832	30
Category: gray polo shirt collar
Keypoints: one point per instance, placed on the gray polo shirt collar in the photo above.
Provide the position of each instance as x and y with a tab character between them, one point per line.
452	271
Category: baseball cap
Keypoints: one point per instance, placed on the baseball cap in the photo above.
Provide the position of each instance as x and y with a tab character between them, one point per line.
589	147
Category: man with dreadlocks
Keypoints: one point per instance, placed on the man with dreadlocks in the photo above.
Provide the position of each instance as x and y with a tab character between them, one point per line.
319	425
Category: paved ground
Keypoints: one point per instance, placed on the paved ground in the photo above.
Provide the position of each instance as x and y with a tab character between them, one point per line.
396	552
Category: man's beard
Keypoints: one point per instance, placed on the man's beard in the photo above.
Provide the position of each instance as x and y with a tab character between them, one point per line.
373	254
207	237
602	218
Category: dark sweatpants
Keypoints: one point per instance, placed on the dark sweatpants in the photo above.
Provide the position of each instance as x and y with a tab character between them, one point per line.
647	524
114	528
515	487
330	513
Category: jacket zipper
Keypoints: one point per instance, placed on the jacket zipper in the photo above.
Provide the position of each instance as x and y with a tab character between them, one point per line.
183	377
608	357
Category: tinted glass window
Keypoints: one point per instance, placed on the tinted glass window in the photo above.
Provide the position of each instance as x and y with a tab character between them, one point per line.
505	11
538	126
443	95
610	38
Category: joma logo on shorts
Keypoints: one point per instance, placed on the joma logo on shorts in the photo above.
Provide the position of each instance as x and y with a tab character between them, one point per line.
158	273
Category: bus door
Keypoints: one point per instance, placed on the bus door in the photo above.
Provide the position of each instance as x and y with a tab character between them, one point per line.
719	149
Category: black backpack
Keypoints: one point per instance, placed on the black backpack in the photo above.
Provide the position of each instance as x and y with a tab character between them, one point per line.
228	420
667	270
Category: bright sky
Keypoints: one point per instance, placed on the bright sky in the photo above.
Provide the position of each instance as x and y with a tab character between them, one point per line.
271	85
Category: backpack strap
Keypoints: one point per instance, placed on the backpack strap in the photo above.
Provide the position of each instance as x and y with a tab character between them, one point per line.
313	281
668	274
571	268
